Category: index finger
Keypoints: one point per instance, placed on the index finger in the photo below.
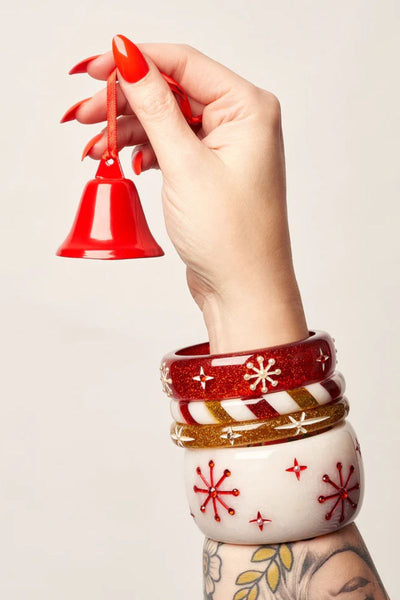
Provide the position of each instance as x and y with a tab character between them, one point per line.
203	79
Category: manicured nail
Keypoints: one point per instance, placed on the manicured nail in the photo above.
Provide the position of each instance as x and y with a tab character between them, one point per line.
129	60
71	112
90	145
81	67
137	162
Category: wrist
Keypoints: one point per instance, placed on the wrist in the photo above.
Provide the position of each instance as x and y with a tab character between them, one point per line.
253	316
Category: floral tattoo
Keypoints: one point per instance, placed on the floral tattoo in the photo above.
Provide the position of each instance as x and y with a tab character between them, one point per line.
212	564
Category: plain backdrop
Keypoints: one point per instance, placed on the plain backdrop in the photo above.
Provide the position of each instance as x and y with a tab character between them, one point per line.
92	503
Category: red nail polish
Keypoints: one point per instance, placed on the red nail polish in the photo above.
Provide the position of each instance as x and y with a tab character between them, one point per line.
90	145
81	67
137	162
71	112
130	61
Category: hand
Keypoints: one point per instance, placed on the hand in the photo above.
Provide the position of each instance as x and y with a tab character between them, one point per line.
223	194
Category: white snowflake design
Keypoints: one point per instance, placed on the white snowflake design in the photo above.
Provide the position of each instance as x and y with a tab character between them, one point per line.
301	424
165	379
262	374
179	438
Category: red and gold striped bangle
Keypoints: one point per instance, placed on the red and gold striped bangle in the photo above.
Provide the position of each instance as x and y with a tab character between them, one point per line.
194	374
232	410
250	433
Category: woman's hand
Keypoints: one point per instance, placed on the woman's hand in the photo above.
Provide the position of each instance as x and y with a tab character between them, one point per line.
223	192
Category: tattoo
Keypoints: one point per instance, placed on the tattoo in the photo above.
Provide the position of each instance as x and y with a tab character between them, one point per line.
335	567
212	565
279	561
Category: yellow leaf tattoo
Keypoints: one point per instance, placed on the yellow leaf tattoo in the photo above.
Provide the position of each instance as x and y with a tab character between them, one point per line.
248	577
263	553
241	594
286	556
253	593
273	576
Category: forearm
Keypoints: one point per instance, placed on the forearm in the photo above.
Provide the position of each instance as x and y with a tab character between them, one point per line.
333	566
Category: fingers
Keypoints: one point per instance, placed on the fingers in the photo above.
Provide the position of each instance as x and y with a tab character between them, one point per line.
94	110
129	133
153	103
203	79
143	158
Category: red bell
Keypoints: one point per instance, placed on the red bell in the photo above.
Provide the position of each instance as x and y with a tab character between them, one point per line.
110	223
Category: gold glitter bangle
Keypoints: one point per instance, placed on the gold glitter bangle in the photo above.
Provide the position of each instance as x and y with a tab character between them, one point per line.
245	433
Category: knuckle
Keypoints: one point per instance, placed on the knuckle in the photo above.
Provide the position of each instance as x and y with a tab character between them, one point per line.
157	105
271	108
187	48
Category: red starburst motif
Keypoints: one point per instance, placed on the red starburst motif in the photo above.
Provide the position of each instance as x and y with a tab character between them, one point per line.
342	492
260	521
214	492
297	469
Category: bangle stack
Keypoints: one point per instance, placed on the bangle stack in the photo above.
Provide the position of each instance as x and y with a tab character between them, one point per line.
272	423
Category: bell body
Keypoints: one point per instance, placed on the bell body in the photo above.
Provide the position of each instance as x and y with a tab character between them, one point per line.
110	222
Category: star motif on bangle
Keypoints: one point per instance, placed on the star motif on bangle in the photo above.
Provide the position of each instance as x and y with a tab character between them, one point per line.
297	469
300	424
165	379
179	438
259	520
322	358
230	435
202	378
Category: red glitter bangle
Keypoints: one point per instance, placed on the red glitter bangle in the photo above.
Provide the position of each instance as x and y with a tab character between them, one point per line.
194	374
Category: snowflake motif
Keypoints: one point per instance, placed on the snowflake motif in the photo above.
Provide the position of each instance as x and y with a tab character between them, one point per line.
301	424
179	438
297	469
202	378
322	358
165	379
259	520
230	435
262	374
342	492
214	492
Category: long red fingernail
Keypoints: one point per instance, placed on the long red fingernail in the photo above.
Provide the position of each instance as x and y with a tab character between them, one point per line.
81	67
137	162
71	112
90	145
129	60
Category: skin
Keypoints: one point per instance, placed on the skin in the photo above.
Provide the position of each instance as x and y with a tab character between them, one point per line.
331	567
224	202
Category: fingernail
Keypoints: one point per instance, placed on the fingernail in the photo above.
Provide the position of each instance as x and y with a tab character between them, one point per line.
137	162
129	60
90	145
71	112
81	67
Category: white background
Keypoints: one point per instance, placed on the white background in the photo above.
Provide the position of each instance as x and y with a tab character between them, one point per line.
91	494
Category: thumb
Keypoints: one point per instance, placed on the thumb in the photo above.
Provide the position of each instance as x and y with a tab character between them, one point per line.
153	103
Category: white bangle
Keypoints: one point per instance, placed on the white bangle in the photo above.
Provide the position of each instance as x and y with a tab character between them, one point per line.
276	493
